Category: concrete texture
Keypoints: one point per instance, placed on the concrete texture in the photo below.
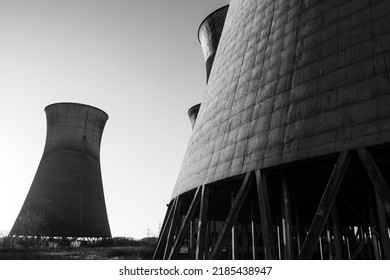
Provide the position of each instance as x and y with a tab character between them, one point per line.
291	80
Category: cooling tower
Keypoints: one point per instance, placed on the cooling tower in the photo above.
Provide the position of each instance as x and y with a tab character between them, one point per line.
193	114
66	197
288	155
209	34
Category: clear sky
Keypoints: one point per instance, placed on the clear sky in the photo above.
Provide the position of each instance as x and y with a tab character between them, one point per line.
138	60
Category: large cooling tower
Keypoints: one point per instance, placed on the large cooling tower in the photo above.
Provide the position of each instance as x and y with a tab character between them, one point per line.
66	197
288	154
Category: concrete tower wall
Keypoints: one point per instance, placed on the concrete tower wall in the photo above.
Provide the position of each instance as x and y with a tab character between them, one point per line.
66	197
291	80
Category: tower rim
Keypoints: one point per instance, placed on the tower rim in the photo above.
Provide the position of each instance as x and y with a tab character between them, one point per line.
207	17
196	106
75	103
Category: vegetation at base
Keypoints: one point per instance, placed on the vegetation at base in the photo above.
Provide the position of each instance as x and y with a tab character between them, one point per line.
118	248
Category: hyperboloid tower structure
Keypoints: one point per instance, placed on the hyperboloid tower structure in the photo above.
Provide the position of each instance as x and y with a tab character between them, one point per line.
209	34
66	197
289	155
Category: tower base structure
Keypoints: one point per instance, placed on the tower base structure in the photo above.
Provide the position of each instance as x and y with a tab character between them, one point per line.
331	207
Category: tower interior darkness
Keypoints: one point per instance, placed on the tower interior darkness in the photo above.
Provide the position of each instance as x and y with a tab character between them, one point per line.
66	197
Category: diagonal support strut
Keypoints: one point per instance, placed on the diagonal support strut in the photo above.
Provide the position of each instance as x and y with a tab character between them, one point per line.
164	230
325	206
172	228
190	214
202	226
232	217
266	219
380	185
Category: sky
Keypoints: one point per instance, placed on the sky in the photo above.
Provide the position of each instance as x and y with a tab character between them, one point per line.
138	60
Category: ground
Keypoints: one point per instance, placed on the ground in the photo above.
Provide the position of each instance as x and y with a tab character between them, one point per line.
131	250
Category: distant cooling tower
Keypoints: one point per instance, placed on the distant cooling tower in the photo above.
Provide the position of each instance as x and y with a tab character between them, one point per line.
193	114
290	153
209	34
66	197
